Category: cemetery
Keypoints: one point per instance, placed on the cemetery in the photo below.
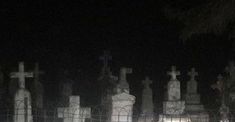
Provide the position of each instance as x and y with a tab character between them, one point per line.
118	103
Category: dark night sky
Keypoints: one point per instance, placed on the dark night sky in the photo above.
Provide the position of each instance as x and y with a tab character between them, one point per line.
73	35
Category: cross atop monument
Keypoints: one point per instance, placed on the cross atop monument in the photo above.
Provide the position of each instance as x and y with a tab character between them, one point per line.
147	82
21	75
123	72
37	72
219	84
105	58
173	73
193	74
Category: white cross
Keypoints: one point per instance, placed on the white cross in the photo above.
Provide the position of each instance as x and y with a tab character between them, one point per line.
147	81
21	75
173	73
193	74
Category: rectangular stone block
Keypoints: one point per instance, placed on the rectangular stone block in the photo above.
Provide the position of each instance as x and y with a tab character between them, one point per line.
192	99
173	107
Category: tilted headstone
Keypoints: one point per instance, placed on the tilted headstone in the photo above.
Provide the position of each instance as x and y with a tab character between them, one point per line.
22	98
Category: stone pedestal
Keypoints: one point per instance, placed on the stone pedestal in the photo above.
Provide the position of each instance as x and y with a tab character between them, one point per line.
22	106
174	107
122	107
175	118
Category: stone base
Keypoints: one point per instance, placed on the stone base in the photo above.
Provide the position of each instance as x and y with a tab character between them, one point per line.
173	107
146	118
194	108
172	118
192	99
199	117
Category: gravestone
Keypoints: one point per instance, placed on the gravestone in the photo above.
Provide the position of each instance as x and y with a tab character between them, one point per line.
122	102
123	86
71	113
230	70
107	85
66	88
107	81
193	107
147	102
174	107
74	113
22	98
38	88
224	110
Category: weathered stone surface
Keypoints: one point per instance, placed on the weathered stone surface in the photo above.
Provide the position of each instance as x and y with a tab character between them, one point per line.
22	106
122	107
22	98
173	107
192	99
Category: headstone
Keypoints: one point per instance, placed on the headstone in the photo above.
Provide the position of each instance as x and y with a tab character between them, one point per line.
74	113
38	88
224	110
174	85
174	107
107	81
192	97
122	107
122	102
123	85
147	102
230	69
193	107
147	97
22	98
66	88
107	85
71	113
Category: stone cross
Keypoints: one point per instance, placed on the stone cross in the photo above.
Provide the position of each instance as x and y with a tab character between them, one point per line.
193	74
173	73
105	58
219	84
21	75
123	72
147	82
37	72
